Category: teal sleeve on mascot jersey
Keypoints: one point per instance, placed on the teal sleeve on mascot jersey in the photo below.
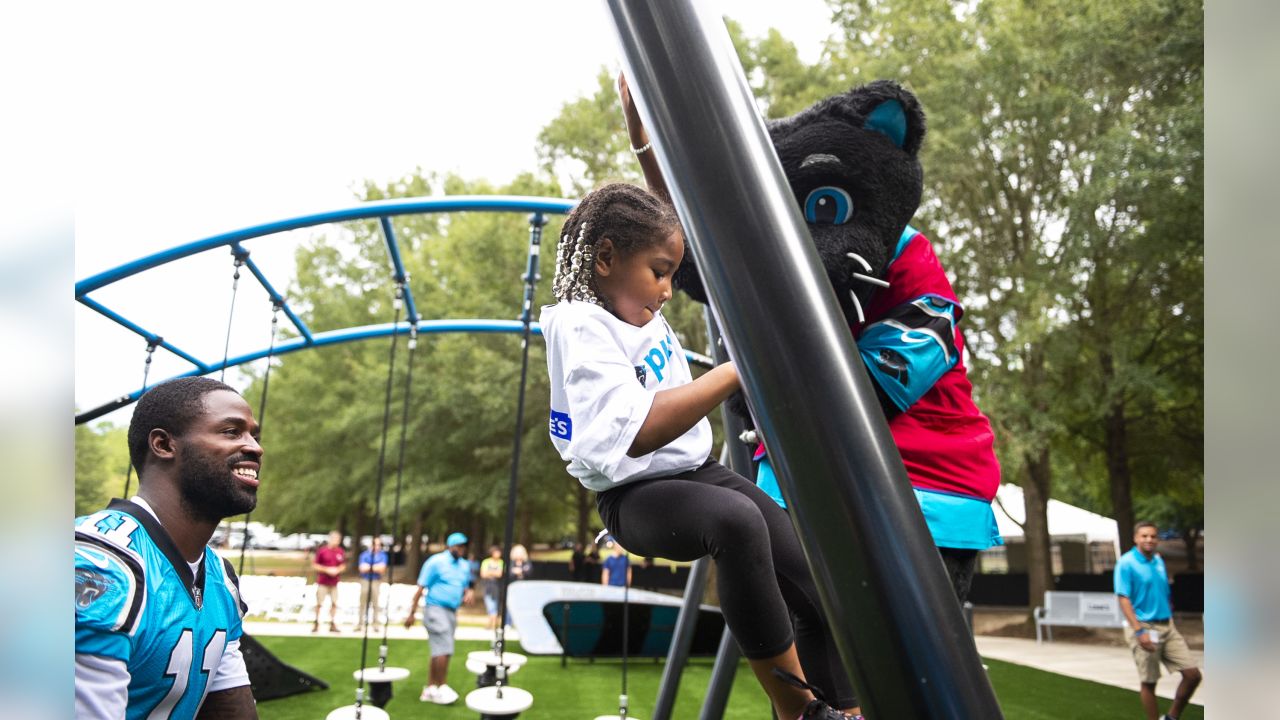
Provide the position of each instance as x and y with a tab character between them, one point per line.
910	348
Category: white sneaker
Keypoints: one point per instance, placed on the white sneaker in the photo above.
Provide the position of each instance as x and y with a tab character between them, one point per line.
429	694
445	695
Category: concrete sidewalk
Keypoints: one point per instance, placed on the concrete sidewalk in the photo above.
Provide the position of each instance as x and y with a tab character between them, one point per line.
1100	663
395	631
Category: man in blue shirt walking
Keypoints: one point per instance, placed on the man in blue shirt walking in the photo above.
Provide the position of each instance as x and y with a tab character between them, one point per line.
446	580
1143	587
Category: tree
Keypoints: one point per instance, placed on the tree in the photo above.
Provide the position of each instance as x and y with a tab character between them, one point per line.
102	459
1063	144
324	428
90	488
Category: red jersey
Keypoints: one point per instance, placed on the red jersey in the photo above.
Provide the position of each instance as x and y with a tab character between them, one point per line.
946	443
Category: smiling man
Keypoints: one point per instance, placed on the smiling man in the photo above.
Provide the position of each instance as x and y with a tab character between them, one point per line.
1142	583
158	614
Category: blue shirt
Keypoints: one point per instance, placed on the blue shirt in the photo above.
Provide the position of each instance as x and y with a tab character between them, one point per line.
366	558
445	578
137	602
617	567
1145	583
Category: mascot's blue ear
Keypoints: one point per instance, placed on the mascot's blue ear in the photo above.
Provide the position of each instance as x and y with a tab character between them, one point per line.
889	118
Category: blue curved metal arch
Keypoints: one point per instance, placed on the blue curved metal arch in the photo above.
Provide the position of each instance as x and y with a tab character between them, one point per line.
354	334
362	211
381	210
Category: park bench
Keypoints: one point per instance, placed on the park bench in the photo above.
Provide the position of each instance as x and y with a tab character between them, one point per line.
1078	609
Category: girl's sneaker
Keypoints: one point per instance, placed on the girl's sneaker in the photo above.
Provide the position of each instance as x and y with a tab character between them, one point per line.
820	709
817	707
428	694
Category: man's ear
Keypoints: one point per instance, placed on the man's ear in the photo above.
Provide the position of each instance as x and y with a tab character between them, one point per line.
605	255
161	444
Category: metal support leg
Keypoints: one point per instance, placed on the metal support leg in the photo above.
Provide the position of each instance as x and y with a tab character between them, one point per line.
721	678
681	640
739	456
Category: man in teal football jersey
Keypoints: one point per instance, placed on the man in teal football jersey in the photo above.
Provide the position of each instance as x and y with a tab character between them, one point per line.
158	614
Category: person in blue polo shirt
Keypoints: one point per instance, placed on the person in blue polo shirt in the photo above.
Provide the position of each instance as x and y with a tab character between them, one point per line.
446	580
1143	587
617	567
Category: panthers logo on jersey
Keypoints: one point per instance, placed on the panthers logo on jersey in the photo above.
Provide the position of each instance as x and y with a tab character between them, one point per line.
90	585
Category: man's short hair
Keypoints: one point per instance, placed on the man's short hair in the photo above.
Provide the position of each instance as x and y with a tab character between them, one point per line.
1144	523
171	406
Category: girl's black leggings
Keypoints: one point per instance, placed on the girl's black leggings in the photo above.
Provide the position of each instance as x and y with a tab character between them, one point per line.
761	573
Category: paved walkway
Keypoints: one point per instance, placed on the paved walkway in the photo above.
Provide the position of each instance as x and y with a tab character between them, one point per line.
395	631
1099	663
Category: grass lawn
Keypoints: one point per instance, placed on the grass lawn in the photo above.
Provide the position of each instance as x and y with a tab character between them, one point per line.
585	690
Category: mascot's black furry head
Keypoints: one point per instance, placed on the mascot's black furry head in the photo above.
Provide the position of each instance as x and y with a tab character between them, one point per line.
851	161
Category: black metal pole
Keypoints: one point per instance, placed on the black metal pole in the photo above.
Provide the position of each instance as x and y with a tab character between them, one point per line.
262	420
722	673
536	222
728	654
681	640
892	612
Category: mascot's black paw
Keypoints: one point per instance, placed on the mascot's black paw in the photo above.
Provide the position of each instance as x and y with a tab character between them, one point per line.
737	404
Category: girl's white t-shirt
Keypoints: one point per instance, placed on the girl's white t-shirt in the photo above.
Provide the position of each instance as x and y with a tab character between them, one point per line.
604	373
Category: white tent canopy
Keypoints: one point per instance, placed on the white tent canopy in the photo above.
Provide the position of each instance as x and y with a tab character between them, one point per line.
1064	519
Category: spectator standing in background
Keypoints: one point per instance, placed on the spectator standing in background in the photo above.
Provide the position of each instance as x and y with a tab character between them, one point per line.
373	571
617	567
329	563
578	564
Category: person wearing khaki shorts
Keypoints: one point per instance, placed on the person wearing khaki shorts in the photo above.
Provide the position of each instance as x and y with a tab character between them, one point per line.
1142	584
445	579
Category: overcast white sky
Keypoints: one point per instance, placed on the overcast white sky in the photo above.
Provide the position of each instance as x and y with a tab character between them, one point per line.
206	120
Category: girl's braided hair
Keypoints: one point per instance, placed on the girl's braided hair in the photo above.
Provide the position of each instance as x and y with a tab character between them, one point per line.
631	217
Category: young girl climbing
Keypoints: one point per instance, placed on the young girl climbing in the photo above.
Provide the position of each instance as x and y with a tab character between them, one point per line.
630	421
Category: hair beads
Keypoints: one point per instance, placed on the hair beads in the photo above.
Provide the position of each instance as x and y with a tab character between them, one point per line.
631	217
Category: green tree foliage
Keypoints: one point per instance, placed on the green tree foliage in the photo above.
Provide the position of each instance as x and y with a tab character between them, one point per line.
587	142
1064	183
323	430
1064	179
102	458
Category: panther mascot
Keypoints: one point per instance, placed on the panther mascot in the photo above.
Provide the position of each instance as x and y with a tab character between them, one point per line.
852	161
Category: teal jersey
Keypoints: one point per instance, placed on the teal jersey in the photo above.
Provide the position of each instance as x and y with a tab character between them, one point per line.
137	603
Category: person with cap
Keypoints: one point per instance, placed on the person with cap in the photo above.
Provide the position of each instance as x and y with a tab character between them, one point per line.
446	580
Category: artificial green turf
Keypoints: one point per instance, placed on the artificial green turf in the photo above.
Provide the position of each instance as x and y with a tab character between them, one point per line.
584	690
1029	694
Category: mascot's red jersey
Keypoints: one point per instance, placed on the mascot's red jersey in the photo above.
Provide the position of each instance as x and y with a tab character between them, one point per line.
945	441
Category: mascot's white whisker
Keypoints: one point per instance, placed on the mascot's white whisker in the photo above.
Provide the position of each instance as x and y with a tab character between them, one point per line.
861	260
868	279
857	305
